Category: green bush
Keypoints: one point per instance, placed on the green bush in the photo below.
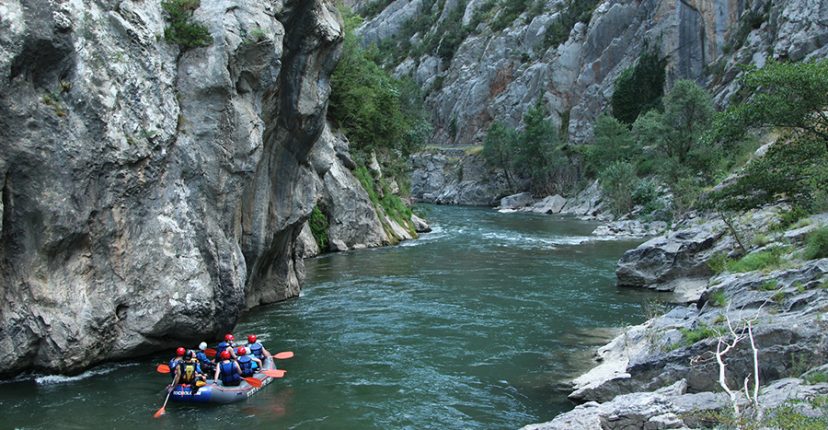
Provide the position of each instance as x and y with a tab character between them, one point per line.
498	148
817	246
571	12
612	142
618	182
379	113
639	88
181	30
319	227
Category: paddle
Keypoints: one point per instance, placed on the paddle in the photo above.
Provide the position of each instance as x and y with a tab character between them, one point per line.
284	355
253	381
163	368
274	373
161	411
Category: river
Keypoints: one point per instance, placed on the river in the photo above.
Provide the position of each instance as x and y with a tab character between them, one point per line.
473	326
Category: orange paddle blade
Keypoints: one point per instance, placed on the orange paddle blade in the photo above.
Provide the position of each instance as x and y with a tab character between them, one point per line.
275	373
159	412
254	382
163	368
284	355
210	352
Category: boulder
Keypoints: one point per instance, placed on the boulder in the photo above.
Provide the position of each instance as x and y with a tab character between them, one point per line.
516	201
549	205
420	225
660	260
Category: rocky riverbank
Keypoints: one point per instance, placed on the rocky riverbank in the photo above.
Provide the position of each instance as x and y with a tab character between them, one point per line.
664	373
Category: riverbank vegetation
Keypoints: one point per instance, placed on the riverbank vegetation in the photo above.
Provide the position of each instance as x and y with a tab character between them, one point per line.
677	145
384	119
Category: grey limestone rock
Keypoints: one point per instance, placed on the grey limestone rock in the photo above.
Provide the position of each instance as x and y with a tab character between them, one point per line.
516	201
151	194
549	205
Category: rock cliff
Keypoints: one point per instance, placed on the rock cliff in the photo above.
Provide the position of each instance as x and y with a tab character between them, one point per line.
476	72
150	193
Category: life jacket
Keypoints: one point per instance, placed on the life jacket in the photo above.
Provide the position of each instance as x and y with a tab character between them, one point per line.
256	350
228	373
202	358
187	370
174	362
246	364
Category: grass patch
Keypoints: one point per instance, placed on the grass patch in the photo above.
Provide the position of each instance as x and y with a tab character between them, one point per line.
718	262
816	378
691	336
718	299
474	150
778	297
817	245
763	260
769	286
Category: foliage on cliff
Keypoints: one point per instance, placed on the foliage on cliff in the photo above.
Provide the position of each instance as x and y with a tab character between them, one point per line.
379	113
791	98
639	88
181	29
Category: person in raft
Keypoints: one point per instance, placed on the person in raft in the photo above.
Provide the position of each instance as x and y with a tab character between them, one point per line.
228	371
226	345
207	365
256	348
179	356
188	371
246	363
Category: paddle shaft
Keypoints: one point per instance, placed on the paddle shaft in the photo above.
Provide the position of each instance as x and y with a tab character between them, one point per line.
164	407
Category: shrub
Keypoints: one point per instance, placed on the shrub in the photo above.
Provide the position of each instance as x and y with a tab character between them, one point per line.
379	113
639	88
618	182
817	246
319	227
816	378
499	147
181	30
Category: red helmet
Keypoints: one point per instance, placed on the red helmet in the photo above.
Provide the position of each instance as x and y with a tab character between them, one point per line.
180	351
251	338
242	351
225	355
228	337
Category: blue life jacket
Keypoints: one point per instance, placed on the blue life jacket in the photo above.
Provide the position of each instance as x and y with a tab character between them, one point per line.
256	349
203	359
228	374
246	364
174	362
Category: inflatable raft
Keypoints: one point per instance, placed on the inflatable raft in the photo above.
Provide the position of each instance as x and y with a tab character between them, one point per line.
214	392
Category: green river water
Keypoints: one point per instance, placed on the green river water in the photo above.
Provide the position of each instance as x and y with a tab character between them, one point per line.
473	326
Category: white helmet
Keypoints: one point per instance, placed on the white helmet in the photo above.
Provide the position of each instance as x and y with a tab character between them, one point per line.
202	346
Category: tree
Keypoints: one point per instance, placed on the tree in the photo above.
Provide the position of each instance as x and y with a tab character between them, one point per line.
499	148
537	149
639	88
688	111
791	96
613	141
618	181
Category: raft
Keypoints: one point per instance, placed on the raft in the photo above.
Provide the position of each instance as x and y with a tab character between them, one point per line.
214	392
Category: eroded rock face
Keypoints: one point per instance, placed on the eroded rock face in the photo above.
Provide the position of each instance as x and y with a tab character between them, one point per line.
150	195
